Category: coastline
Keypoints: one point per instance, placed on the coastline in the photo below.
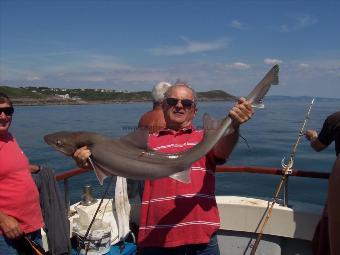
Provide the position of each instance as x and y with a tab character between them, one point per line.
42	102
54	101
28	101
31	96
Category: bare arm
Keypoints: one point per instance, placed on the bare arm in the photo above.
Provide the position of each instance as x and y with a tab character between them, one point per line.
10	226
312	136
240	113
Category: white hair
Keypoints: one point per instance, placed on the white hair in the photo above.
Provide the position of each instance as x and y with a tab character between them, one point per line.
159	90
185	84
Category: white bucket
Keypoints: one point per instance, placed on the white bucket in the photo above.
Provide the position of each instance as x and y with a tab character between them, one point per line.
98	241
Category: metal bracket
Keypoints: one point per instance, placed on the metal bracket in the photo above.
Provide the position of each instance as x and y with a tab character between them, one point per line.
287	169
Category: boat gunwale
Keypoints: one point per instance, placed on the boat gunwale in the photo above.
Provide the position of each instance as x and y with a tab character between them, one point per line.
222	169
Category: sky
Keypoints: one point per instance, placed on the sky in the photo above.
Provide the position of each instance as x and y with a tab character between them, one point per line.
132	45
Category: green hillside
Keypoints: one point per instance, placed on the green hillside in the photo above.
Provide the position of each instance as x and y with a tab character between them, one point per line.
20	93
45	95
217	94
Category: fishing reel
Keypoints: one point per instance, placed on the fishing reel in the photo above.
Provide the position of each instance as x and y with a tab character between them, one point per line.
287	168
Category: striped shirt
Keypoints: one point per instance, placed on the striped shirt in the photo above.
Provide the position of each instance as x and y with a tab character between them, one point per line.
175	213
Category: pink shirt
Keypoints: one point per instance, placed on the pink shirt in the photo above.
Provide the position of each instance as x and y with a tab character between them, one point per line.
19	196
175	213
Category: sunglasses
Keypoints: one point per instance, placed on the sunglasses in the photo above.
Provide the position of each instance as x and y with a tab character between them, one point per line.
7	111
187	103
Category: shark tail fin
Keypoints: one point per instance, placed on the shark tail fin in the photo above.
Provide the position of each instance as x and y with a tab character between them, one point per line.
257	94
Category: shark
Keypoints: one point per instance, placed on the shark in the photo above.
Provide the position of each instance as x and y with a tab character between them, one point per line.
130	157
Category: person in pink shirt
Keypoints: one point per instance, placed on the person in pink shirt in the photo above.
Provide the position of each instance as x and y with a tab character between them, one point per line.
182	218
20	213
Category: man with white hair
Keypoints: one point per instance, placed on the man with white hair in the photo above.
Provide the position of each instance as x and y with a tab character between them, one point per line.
154	120
182	218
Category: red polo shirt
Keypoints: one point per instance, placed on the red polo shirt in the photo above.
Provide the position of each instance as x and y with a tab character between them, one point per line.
175	213
19	196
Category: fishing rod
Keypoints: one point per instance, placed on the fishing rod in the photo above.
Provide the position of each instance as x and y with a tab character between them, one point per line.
287	169
36	249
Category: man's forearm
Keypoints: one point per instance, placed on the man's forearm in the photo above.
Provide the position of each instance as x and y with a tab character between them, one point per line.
312	136
317	145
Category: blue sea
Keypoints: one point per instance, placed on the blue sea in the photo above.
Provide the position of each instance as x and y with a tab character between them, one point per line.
271	134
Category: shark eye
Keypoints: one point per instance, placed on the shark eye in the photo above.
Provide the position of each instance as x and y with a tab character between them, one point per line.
58	142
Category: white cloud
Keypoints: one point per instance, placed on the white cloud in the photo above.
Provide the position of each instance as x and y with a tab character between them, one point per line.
10	73
34	78
272	61
118	77
315	75
75	67
304	65
190	47
239	66
303	21
236	24
104	63
284	28
298	22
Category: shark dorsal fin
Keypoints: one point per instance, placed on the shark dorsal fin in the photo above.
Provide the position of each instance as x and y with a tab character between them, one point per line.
137	138
209	123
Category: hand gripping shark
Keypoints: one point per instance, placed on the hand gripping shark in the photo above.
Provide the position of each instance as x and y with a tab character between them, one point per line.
130	157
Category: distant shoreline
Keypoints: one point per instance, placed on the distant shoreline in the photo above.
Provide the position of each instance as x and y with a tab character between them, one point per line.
42	102
39	96
35	102
31	96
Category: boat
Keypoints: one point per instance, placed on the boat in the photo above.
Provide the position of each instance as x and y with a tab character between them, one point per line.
289	230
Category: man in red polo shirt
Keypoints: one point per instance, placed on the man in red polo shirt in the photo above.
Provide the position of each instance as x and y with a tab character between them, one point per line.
182	218
179	218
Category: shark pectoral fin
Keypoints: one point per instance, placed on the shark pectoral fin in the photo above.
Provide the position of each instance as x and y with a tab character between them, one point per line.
101	176
183	176
100	173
